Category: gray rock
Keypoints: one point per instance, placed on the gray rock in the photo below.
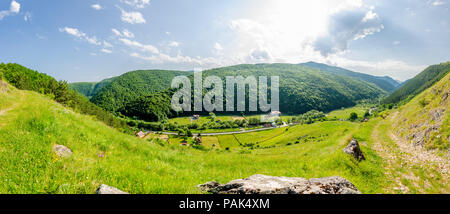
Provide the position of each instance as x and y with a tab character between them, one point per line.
263	184
107	190
62	151
354	150
208	186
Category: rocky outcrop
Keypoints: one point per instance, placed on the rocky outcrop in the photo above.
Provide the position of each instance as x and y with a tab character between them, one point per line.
263	184
354	150
62	151
107	190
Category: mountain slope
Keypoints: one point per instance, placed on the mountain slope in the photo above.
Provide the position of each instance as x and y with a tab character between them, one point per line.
27	79
88	89
386	83
301	88
32	123
419	83
113	94
425	120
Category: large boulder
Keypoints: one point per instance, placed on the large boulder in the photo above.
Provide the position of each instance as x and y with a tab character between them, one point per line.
62	151
108	190
263	184
354	150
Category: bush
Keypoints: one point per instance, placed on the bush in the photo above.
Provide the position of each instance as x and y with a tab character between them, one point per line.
353	116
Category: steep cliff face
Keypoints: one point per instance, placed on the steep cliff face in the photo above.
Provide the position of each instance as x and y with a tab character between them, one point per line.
425	119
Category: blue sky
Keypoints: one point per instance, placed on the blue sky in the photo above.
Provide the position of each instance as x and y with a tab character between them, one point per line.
91	40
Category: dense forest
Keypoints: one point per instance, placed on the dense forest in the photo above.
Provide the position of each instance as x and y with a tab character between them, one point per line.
131	86
302	89
386	83
88	89
26	79
418	84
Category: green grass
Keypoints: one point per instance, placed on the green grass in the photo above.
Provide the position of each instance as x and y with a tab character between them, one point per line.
27	164
345	113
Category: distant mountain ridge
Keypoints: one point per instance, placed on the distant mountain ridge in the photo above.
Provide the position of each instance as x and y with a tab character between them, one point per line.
386	83
419	83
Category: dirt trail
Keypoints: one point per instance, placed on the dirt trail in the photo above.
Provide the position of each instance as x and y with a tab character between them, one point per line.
409	165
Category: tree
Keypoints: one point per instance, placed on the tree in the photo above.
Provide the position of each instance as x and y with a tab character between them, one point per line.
212	116
353	116
367	114
188	133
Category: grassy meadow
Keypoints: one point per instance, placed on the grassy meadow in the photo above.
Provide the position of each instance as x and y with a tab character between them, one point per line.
34	123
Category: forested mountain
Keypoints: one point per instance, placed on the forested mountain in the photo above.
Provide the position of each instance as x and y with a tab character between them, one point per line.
421	82
88	89
26	79
132	85
386	83
301	89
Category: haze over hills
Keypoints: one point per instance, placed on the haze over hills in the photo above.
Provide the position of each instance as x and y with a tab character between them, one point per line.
386	83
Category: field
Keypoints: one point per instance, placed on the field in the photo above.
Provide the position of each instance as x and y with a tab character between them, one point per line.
36	123
345	113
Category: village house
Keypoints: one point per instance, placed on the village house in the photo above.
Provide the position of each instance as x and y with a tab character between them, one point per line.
141	134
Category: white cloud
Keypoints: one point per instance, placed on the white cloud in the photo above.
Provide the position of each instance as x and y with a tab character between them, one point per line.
80	35
218	46
13	9
438	3
96	6
27	17
132	17
396	42
107	44
137	3
346	25
125	33
141	47
106	51
174	44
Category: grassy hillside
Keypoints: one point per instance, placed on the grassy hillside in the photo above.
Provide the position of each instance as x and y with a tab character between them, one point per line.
421	82
113	95
27	79
30	124
386	83
425	120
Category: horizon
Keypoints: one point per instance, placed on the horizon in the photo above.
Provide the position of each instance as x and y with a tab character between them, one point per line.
381	38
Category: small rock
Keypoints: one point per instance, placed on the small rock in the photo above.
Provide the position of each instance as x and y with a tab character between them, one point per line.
62	151
107	190
354	150
206	187
263	184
